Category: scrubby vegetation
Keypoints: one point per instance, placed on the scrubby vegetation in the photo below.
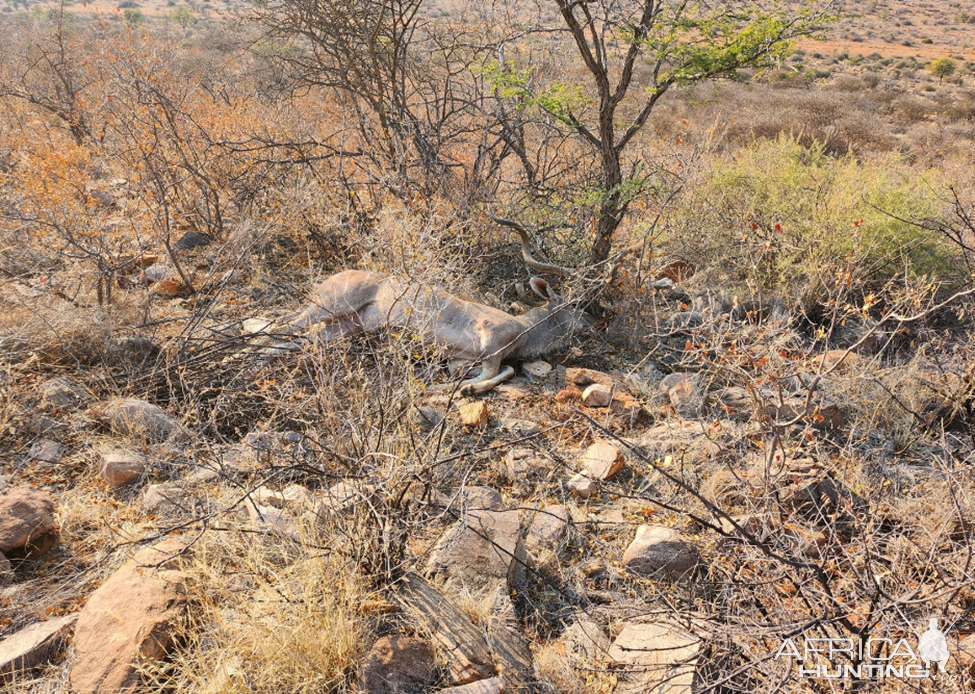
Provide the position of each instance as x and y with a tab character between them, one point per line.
775	246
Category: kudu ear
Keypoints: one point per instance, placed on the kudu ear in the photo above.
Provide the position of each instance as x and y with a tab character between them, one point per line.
543	289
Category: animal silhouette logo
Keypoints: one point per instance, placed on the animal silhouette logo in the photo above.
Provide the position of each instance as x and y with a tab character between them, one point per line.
933	646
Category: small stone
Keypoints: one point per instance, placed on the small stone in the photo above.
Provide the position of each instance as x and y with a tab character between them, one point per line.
46	451
34	645
119	468
602	460
429	418
522	462
158	272
168	288
474	414
193	239
586	377
164	498
581	485
253	326
398	664
492	685
537	369
659	549
478	498
597	395
521	427
547	532
26	520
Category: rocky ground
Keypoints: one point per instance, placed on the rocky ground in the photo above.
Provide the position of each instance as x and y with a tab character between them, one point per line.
657	524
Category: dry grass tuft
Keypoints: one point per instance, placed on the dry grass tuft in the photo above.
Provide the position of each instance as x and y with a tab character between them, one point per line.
268	623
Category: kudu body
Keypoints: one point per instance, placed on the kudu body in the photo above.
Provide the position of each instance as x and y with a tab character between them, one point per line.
468	333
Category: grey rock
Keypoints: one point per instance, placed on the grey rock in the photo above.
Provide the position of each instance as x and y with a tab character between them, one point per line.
655	658
525	462
429	418
660	550
46	451
520	427
166	498
481	551
193	239
62	394
548	532
137	418
586	640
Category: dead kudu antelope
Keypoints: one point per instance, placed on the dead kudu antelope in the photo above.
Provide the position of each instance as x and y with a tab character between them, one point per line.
355	302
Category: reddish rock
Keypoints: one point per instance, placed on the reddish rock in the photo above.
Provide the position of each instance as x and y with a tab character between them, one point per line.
474	414
119	468
34	645
582	485
168	288
26	520
586	377
130	619
602	460
597	395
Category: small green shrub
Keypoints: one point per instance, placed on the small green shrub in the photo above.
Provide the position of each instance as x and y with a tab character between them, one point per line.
780	217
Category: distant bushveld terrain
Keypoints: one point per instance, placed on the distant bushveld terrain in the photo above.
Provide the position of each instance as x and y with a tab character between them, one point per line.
423	346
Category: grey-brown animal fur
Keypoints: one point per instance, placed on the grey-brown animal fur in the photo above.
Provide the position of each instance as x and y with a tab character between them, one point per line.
354	302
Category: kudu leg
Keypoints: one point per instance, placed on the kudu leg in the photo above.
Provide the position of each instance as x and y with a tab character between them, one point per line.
477	387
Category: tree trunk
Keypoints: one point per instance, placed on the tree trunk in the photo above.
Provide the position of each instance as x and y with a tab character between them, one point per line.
610	212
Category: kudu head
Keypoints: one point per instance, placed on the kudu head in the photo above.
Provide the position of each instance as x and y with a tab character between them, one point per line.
550	325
